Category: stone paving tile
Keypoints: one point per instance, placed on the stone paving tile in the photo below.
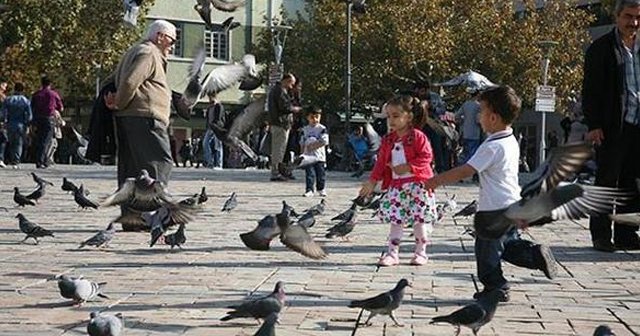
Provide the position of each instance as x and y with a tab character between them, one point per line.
164	292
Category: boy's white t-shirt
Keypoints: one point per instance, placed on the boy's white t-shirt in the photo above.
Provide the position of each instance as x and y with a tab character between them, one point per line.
496	162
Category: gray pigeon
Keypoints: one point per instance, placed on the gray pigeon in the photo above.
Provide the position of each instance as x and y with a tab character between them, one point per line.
307	220
383	304
82	200
344	227
177	238
156	224
68	185
105	324
196	200
603	330
229	24
318	209
346	214
102	238
80	290
32	230
20	199
132	7
468	210
475	315
230	204
39	180
38	193
450	205
261	307
286	207
260	238
203	7
297	238
227	6
268	327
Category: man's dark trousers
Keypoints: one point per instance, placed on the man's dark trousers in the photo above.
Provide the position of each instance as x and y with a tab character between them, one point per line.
44	133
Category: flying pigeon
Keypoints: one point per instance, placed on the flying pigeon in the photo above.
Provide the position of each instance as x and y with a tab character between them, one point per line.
346	214
318	209
268	327
68	185
132	7
383	304
38	193
230	204
82	200
475	315
468	210
227	6
203	7
297	238
344	227
105	324
177	238
20	199
80	290
243	123
603	330
307	220
229	24
260	307
39	180
547	199
450	205
102	238
260	238
31	229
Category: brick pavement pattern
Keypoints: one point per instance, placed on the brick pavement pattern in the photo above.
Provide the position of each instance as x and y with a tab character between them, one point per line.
164	292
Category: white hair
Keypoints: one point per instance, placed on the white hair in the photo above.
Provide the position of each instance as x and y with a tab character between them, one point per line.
161	26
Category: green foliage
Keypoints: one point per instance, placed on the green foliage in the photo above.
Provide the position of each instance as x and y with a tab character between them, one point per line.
66	39
453	36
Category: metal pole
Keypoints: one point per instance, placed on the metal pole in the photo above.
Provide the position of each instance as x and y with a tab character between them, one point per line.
348	70
98	67
543	143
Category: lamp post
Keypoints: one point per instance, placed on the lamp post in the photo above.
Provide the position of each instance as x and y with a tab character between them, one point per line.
547	48
347	93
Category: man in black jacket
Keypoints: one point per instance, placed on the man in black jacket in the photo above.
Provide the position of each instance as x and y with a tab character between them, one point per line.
611	106
281	111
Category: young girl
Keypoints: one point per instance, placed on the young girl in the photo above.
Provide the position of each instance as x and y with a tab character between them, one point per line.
404	162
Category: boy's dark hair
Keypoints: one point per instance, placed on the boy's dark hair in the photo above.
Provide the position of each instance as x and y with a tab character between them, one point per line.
18	87
45	81
314	110
503	101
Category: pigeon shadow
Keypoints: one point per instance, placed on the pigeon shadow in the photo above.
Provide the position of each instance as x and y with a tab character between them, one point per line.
47	305
222	264
30	275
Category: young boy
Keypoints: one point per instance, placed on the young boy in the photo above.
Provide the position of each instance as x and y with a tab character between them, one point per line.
496	162
315	138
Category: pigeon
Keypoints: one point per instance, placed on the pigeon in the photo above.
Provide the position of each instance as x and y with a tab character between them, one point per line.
203	7
468	210
157	229
268	327
346	214
105	324
475	315
249	118
260	238
229	24
31	229
80	290
450	205
227	6
260	307
230	204
142	193
383	304
603	330
317	209
203	198
82	200
102	238
307	220
37	193
374	138
39	180
286	207
20	199
344	227
439	213
195	200
359	7
177	238
297	238
68	185
375	203
131	10
553	199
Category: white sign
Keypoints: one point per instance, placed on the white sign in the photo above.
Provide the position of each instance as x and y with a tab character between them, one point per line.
546	98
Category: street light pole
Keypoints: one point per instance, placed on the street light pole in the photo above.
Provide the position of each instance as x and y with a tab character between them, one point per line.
348	69
547	48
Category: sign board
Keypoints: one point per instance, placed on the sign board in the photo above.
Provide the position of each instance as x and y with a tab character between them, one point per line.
546	98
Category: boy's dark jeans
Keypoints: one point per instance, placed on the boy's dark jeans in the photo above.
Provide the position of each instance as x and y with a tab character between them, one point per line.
509	247
314	172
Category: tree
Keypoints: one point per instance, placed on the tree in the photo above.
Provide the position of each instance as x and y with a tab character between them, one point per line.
452	36
66	39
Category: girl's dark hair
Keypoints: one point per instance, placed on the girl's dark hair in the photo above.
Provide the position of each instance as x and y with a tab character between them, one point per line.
410	104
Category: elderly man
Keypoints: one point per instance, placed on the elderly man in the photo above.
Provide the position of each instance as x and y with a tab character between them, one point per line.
281	111
611	106
142	105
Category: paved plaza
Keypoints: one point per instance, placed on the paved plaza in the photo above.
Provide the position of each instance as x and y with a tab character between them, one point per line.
164	292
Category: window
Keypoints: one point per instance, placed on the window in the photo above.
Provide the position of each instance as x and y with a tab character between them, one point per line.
177	47
216	42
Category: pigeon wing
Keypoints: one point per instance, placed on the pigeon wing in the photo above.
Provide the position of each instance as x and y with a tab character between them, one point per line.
297	238
465	316
250	117
122	196
594	200
377	302
260	237
222	78
227	6
374	138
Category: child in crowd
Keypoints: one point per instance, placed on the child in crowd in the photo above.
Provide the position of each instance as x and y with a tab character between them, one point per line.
404	163
496	162
314	140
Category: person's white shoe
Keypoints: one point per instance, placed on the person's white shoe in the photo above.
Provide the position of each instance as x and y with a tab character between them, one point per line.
322	193
2	165
308	194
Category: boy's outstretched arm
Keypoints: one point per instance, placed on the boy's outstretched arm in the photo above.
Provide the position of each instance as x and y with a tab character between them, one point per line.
450	176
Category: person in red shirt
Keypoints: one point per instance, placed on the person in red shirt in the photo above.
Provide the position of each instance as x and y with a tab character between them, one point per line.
45	102
404	163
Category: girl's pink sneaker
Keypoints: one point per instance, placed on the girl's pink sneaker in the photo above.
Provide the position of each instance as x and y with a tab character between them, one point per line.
388	260
419	260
